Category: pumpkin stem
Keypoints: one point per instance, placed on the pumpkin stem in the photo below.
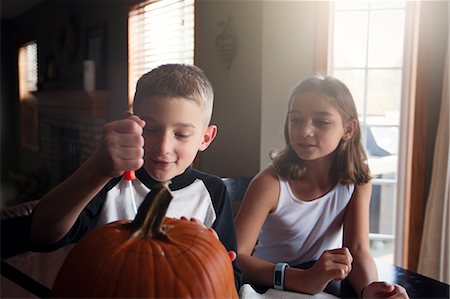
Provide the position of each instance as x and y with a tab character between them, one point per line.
152	225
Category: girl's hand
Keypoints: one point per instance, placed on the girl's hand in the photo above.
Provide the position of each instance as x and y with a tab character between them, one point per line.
382	289
121	147
333	264
231	253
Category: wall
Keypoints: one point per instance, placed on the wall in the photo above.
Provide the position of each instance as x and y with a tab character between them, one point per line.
9	111
272	46
274	50
45	23
288	57
237	107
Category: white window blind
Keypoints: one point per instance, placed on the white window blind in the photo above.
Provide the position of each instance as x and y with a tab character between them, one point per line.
28	79
28	69
159	32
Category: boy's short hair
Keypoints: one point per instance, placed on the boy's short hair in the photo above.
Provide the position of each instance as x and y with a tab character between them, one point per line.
176	80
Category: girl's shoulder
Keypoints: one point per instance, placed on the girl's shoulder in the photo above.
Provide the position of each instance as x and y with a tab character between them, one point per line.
265	188
267	176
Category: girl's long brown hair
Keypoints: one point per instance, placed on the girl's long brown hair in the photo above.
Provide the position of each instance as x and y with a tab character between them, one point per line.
350	160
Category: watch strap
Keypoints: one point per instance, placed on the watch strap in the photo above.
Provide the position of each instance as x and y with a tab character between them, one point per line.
278	275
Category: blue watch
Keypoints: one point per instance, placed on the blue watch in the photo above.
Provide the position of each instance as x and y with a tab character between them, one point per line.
278	275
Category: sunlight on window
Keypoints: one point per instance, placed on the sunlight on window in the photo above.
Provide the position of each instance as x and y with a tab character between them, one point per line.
28	70
368	56
28	79
159	32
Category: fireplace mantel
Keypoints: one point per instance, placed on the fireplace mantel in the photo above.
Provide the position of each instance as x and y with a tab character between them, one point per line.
75	103
70	128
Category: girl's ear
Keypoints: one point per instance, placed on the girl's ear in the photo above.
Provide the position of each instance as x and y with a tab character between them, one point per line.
349	130
208	136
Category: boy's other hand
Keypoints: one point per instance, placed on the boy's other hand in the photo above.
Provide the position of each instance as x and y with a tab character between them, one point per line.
231	253
122	146
382	289
334	264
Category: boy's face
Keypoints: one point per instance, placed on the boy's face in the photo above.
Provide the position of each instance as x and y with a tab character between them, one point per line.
176	129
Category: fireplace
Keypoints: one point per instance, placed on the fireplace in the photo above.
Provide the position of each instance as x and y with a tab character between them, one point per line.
70	128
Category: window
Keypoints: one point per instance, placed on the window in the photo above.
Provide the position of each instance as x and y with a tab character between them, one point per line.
28	79
367	54
159	32
28	70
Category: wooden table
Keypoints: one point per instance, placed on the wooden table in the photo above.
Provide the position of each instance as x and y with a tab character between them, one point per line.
417	285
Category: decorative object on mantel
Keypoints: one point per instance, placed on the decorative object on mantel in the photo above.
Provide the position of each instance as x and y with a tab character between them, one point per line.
68	41
96	51
89	75
226	43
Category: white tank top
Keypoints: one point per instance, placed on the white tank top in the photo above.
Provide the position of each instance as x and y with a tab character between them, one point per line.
299	231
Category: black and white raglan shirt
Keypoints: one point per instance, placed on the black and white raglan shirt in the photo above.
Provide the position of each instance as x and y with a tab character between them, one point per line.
195	194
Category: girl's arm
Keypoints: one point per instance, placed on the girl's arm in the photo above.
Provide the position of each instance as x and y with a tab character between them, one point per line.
260	199
364	276
356	238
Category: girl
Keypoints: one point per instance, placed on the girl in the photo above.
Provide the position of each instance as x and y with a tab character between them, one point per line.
311	199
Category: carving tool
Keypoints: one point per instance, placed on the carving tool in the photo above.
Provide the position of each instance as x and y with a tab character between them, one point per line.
129	176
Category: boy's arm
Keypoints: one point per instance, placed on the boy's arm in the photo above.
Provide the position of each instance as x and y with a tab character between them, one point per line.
121	149
58	210
224	227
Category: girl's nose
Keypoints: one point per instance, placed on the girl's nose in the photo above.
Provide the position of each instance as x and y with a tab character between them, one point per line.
307	129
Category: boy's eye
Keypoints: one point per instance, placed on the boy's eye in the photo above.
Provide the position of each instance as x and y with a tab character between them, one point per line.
183	135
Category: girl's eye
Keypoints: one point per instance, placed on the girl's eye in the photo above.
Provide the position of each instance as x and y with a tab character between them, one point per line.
295	120
322	122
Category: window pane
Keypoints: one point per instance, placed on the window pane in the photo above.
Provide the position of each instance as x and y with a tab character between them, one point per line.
28	69
347	5
159	32
383	203
386	138
383	94
382	221
386	38
382	4
354	79
350	39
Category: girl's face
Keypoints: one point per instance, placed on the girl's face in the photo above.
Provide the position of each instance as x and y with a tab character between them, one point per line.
176	129
315	127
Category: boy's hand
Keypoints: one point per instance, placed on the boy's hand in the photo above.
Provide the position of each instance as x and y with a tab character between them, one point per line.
382	289
121	146
333	264
231	253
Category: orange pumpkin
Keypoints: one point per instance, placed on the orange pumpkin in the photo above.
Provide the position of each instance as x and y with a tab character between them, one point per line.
159	258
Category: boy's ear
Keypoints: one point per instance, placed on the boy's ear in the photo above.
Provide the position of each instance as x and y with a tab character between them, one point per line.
349	130
208	136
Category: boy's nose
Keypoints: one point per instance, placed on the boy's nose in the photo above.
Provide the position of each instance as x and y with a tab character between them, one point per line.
164	143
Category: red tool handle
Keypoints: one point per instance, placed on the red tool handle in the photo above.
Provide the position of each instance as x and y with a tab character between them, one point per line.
129	175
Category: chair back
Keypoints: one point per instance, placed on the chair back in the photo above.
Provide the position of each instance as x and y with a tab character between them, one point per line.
236	187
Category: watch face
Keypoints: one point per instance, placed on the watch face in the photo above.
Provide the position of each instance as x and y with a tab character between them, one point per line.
277	279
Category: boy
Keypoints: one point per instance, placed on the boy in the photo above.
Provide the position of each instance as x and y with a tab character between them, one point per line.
173	105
